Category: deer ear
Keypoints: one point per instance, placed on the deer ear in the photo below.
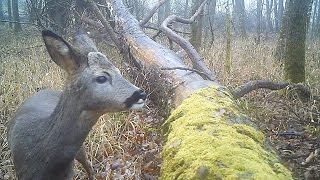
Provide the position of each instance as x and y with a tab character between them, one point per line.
60	51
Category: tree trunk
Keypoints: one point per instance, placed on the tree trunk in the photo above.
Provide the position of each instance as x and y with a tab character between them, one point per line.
1	10
314	15
161	14
240	16
207	136
59	12
186	9
227	64
16	18
281	10
269	29
259	20
196	27
276	17
295	44
317	29
211	15
9	13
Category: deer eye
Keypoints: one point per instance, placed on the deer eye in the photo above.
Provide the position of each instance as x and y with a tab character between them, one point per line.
101	79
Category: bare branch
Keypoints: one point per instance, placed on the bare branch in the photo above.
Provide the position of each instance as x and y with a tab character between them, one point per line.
197	60
189	69
257	84
92	22
16	22
105	23
151	13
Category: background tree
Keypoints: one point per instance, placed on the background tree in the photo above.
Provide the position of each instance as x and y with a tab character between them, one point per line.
276	16
59	14
9	13
295	40
317	21
259	20
1	10
240	16
269	28
209	19
196	27
16	17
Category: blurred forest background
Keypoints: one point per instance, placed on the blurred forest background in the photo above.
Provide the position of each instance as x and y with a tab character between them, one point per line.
238	40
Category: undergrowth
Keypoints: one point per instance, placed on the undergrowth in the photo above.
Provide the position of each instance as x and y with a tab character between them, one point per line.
127	145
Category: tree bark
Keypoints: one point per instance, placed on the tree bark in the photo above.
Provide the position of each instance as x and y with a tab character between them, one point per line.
16	17
9	13
1	10
196	27
269	29
276	17
259	20
240	16
294	65
207	136
314	15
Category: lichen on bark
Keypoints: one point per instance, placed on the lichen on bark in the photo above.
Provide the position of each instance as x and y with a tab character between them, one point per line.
207	137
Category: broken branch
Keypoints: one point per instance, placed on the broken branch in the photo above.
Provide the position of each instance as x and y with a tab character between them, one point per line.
197	60
151	13
257	84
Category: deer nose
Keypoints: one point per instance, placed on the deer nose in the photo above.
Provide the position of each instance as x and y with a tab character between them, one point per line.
137	98
139	95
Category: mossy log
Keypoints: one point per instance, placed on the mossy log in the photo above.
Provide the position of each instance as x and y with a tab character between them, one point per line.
207	135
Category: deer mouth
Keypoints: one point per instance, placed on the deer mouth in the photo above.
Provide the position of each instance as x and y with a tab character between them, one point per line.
136	101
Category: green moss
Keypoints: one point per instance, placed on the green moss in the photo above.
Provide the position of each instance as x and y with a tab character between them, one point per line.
206	141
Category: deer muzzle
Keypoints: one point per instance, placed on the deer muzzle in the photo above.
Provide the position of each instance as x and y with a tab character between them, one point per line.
136	101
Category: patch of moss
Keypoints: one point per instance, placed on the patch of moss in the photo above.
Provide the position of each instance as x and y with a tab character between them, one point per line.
203	142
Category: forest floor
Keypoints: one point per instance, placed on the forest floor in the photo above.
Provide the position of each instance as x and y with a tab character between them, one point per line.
128	145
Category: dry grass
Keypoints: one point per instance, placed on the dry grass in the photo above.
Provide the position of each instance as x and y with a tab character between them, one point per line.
130	143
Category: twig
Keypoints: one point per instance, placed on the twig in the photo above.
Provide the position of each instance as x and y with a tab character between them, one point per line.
312	155
16	22
105	23
151	13
257	84
197	60
187	69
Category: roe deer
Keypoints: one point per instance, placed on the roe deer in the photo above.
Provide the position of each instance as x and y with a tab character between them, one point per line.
48	130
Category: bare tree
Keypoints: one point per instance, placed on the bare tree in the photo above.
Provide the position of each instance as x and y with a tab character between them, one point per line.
269	29
196	27
59	14
9	13
259	20
1	10
239	16
276	17
295	40
16	17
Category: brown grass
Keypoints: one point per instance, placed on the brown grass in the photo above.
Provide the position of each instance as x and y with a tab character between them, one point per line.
130	141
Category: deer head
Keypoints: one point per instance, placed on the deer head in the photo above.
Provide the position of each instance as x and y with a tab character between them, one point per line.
98	84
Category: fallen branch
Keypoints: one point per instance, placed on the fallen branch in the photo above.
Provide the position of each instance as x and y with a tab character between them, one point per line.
151	13
189	69
312	156
105	23
257	84
197	60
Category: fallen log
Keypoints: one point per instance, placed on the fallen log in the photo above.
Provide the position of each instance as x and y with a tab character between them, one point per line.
207	135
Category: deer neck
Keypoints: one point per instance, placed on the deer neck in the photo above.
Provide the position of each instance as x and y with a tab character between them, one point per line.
70	124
